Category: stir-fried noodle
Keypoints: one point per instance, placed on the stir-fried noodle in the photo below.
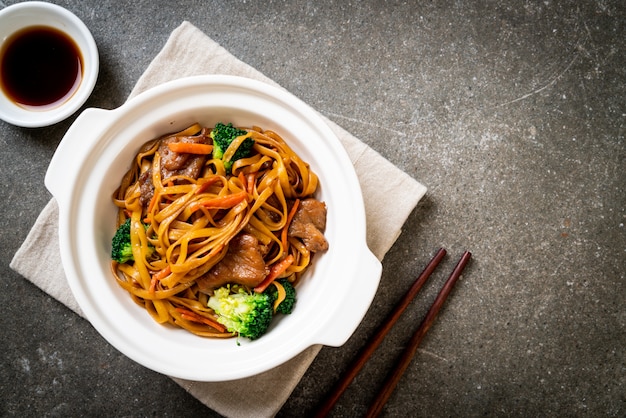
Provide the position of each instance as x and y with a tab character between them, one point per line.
185	207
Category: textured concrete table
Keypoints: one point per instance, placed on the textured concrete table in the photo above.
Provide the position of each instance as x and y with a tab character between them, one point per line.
512	113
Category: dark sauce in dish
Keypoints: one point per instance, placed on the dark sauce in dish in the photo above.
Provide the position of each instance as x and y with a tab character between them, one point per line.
40	67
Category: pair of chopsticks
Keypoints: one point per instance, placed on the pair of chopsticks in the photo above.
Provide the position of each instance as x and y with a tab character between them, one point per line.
408	353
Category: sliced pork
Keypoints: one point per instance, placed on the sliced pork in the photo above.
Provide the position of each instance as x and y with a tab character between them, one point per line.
309	223
146	187
175	163
243	264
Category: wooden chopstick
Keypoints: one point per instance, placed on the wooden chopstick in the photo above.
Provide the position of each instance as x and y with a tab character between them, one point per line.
359	361
408	353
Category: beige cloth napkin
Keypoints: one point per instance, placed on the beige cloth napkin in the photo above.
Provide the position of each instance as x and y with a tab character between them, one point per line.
188	52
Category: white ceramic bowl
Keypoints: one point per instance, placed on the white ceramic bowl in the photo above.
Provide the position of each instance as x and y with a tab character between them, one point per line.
34	13
333	296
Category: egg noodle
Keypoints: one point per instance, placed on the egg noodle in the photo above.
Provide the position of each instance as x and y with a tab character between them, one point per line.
186	227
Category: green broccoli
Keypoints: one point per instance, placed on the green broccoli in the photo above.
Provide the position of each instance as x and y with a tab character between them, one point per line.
286	306
223	136
246	313
121	250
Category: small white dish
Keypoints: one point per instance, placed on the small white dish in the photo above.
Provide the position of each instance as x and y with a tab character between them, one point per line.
20	16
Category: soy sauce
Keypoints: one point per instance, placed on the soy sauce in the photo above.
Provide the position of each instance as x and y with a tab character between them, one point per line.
40	67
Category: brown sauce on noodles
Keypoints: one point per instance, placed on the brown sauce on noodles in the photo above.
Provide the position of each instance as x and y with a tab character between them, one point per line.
196	225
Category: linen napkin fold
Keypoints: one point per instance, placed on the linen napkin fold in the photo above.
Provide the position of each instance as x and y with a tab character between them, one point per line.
380	182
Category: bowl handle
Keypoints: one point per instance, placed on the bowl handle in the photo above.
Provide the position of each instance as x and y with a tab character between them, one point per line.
369	270
71	152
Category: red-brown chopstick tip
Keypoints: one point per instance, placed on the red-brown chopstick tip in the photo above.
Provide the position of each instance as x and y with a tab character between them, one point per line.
408	353
359	361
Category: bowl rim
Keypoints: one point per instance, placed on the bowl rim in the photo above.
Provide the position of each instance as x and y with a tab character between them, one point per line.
356	261
39	13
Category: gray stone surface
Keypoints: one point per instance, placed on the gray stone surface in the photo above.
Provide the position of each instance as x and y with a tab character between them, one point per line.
512	113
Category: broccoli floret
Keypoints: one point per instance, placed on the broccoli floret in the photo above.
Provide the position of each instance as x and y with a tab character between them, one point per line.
223	136
286	306
246	313
121	250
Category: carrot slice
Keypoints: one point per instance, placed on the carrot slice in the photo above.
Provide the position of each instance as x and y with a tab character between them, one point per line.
251	180
152	202
159	275
163	273
222	202
190	148
276	270
208	183
242	179
192	316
